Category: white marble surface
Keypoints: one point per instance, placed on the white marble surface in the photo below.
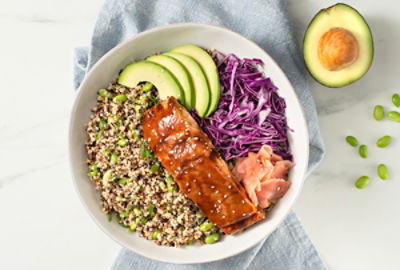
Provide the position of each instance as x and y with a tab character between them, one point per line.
44	226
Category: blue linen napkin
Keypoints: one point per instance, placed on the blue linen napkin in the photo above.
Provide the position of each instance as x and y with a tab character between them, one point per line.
266	23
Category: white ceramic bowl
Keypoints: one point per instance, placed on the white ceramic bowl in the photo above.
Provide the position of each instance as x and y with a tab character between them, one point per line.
161	40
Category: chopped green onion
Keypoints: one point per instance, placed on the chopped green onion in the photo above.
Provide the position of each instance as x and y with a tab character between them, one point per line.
102	124
101	129
151	209
123	225
110	216
155	234
144	152
169	180
152	100
171	186
141	220
118	121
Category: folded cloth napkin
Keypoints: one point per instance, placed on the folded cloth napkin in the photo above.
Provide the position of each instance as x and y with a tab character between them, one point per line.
266	23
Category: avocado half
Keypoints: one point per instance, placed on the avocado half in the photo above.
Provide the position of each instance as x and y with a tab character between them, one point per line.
338	46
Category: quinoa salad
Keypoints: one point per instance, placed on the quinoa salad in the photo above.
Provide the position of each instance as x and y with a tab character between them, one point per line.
135	190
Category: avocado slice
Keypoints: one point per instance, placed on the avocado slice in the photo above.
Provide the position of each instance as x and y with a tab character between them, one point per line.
180	72
210	70
338	46
146	71
201	91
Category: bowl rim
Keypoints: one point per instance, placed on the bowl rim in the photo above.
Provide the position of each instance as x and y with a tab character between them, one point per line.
73	110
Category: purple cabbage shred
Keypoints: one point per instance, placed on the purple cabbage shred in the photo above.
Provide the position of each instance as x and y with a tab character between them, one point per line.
250	112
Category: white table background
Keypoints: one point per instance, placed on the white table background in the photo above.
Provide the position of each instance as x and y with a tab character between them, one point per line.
43	224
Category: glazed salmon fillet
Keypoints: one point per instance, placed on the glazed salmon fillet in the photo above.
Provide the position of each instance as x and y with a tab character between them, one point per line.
189	156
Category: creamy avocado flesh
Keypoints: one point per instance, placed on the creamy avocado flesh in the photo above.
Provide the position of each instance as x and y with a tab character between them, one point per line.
180	72
146	71
201	90
338	46
209	68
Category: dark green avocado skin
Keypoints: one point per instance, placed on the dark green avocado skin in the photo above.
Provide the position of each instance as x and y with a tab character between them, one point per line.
311	22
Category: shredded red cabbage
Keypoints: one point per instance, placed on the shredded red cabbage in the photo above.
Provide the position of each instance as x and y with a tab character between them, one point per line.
250	113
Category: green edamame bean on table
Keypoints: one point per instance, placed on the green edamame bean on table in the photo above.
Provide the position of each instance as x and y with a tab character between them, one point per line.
393	116
352	141
363	151
396	100
379	112
384	141
362	182
383	172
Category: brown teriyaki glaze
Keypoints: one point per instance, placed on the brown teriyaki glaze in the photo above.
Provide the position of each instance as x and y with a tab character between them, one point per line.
189	156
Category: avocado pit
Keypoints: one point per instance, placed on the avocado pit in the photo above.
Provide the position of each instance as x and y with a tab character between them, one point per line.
338	49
